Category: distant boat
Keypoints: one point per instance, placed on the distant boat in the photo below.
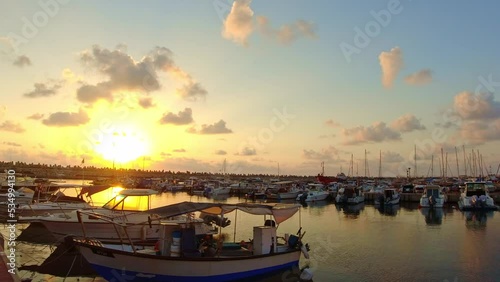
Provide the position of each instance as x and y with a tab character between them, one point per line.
388	197
284	190
315	192
475	196
349	195
432	197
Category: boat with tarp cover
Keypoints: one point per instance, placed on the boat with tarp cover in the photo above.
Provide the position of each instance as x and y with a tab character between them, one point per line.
181	255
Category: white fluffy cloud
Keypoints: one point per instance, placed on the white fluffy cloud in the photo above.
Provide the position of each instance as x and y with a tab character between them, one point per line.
215	128
240	24
422	77
125	73
43	90
62	119
181	118
407	123
378	132
391	63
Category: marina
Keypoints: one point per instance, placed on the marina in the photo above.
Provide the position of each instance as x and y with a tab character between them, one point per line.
337	235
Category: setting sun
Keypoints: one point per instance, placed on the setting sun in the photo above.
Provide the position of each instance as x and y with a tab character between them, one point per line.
122	146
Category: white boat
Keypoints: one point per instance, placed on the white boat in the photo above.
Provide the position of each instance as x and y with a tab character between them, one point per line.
283	190
180	257
349	195
60	201
475	196
388	197
315	192
433	197
127	208
19	197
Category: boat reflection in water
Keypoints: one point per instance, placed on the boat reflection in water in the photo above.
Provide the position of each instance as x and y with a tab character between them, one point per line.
390	210
351	211
432	216
477	219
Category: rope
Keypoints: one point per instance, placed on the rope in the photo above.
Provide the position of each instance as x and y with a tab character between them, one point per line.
69	270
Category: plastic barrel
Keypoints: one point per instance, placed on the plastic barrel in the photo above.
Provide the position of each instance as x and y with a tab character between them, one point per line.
176	241
175	251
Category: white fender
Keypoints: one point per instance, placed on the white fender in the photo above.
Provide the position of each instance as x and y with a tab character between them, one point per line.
304	251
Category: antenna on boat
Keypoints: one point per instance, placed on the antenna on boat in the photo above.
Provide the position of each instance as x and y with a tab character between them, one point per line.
415	159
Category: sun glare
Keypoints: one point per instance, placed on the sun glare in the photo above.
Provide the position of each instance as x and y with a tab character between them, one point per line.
122	146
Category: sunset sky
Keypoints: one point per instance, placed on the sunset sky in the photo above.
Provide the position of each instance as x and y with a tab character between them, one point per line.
184	85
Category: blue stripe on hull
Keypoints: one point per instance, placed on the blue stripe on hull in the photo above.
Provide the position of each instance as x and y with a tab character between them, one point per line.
111	274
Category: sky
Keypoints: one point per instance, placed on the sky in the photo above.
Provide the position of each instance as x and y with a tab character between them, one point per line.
273	87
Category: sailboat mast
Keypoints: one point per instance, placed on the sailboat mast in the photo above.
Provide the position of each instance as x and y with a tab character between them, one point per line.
465	162
380	165
456	157
432	165
415	159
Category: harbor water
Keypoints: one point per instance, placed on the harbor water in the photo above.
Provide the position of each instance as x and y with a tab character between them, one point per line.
348	243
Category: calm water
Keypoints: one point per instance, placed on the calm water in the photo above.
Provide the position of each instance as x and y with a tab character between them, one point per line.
360	243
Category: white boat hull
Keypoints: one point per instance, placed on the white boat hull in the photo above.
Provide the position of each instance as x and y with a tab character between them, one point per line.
312	197
125	266
102	231
425	203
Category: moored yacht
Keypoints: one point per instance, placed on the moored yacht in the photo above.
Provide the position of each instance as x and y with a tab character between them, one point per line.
475	196
432	197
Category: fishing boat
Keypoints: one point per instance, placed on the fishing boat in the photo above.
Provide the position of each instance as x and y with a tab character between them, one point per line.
60	201
475	196
314	192
181	255
388	197
432	197
349	195
126	208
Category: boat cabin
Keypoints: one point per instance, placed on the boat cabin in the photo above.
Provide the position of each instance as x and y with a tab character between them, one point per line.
432	191
475	189
131	200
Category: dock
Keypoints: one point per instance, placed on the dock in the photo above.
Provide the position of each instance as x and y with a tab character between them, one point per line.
5	276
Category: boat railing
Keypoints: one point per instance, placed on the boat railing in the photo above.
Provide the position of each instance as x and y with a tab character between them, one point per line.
108	219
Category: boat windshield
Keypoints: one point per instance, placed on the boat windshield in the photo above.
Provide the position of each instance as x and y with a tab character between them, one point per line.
433	192
475	186
128	203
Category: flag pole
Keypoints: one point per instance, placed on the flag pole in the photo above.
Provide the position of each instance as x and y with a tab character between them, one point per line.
83	175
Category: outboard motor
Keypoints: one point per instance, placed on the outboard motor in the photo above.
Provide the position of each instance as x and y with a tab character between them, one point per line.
431	201
482	201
